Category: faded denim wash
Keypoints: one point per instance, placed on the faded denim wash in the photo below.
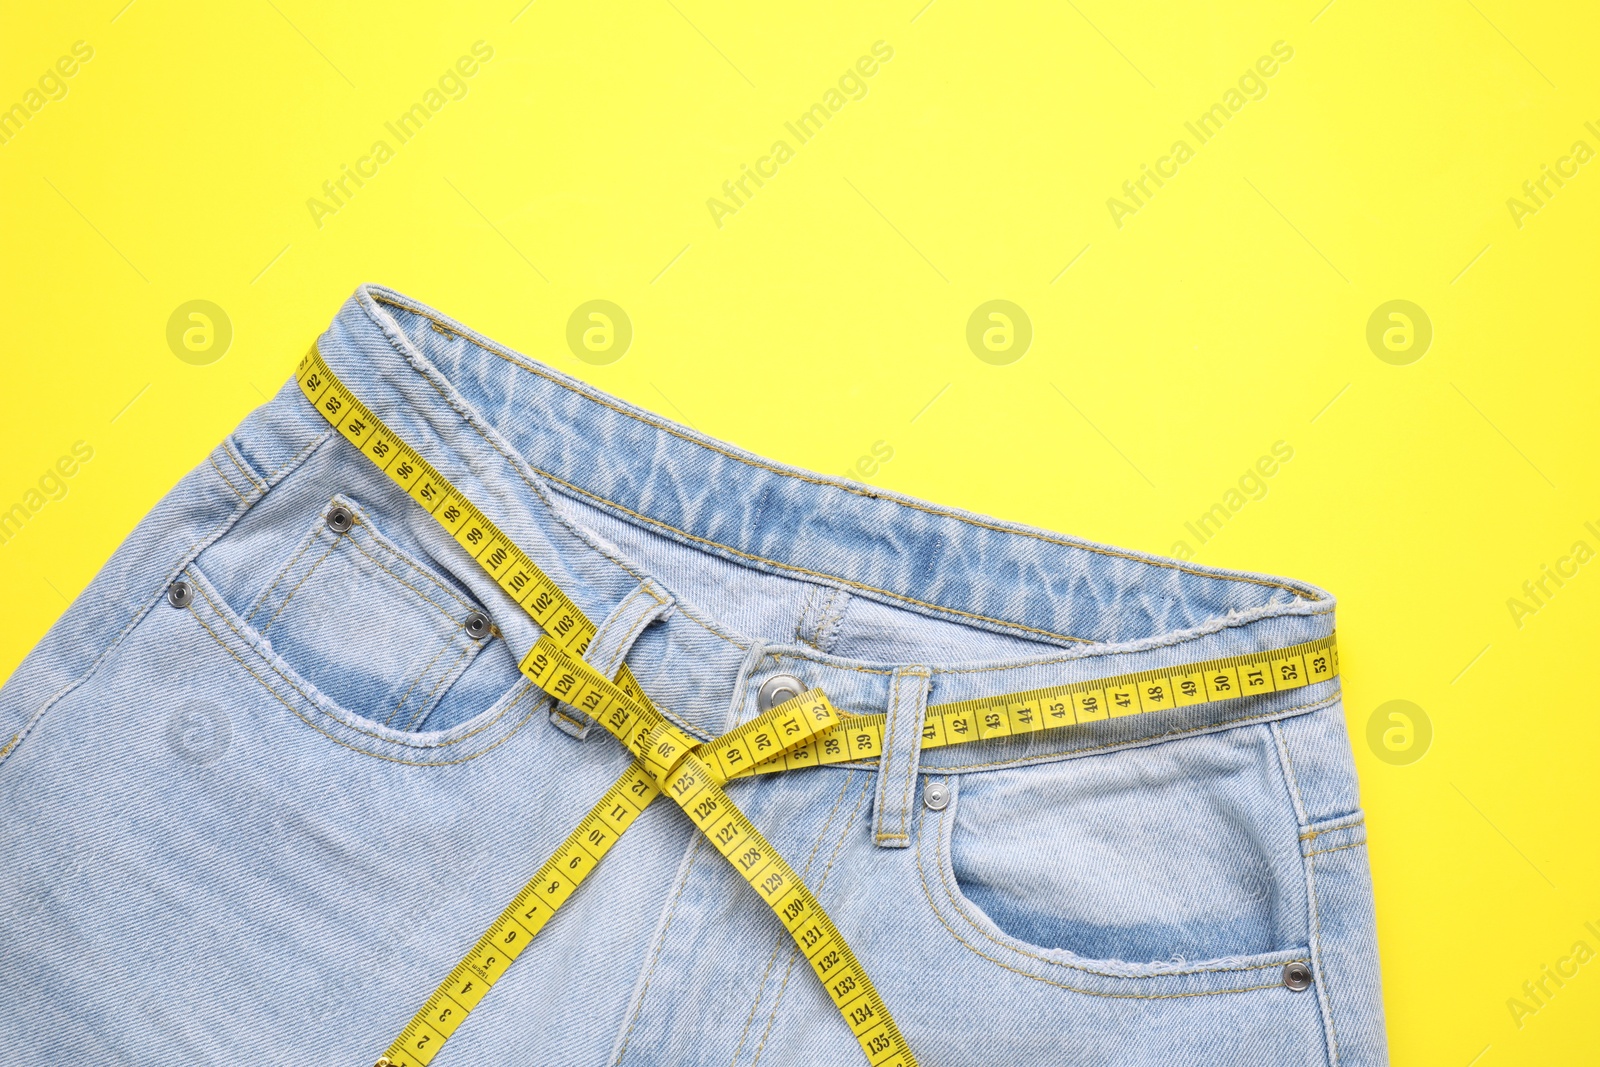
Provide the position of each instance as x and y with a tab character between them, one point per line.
261	827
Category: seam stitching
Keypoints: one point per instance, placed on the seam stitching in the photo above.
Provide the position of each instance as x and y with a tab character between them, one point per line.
886	763
794	953
255	483
1176	732
391	572
672	913
777	944
304	578
212	459
443	648
1299	594
609	669
808	572
469	418
511	732
1062	985
1292	778
295	460
265	598
913	750
1313	834
450	674
312	700
961	905
140	612
1324	991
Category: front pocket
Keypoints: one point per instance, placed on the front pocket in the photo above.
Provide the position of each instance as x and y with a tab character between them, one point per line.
372	629
1171	857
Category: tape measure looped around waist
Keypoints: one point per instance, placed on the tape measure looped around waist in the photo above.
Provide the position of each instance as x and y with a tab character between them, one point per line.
666	760
804	732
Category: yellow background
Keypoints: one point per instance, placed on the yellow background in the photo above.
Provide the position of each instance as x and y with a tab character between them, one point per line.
1227	314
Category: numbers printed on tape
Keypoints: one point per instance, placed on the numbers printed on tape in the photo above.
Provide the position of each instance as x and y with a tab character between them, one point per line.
806	731
1209	681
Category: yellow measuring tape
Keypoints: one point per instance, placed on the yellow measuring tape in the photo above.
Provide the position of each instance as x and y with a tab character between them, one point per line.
669	760
804	732
1206	682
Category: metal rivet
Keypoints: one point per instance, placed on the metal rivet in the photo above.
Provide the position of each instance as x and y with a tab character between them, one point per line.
777	689
180	594
340	519
1296	976
477	624
935	795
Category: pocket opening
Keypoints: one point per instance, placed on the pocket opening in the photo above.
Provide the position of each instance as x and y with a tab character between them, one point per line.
1167	858
377	630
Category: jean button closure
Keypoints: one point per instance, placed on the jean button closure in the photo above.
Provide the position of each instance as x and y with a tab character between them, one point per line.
935	796
1297	976
777	689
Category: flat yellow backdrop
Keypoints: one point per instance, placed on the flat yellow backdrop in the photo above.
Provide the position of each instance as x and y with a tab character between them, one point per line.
1173	313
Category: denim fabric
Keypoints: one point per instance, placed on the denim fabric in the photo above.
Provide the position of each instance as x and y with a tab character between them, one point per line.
262	827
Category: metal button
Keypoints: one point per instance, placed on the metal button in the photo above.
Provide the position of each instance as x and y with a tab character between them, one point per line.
180	594
340	519
477	624
935	795
1296	976
777	689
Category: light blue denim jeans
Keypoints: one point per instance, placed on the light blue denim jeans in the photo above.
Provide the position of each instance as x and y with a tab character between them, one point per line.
262	826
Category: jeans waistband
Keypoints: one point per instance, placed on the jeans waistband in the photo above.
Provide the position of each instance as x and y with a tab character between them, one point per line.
612	500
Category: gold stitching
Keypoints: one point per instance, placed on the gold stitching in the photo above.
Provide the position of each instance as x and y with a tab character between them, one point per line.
1048	757
368	529
845	486
1323	985
333	544
443	648
794	953
299	457
778	942
449	675
957	902
382	566
310	539
937	607
885	761
469	417
1311	834
694	857
905	795
556	710
140	612
511	732
227	450
212	459
312	701
943	608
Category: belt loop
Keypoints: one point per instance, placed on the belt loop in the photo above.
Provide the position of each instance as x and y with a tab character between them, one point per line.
754	657
611	643
897	767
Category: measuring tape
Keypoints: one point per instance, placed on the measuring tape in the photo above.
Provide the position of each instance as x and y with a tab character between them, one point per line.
1013	714
669	757
804	732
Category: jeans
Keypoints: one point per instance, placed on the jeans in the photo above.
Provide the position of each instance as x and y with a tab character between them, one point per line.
261	823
